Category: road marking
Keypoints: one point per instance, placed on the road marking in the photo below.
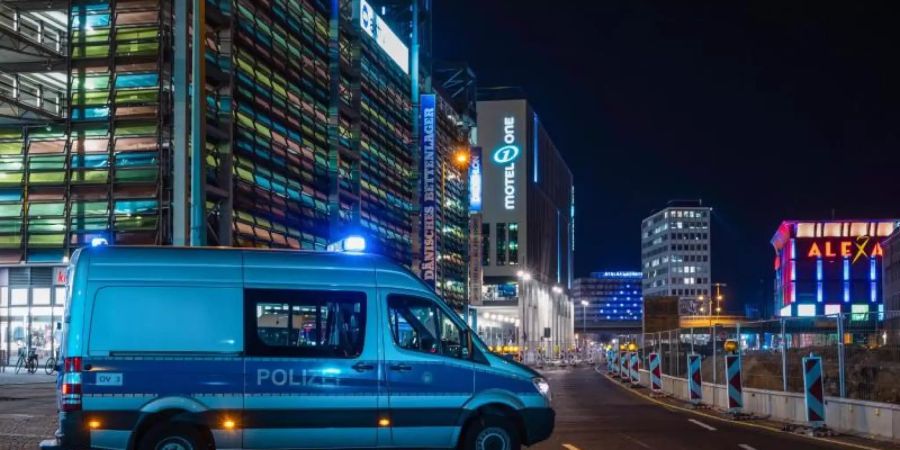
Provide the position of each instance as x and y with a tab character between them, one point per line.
570	447
702	425
745	447
637	441
770	429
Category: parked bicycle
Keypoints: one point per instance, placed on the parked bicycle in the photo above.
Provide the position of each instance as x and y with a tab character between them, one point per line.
27	361
50	365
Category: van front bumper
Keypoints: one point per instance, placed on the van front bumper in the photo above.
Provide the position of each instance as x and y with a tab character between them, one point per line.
539	423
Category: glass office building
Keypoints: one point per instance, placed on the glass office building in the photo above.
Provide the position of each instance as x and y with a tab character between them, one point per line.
308	133
614	301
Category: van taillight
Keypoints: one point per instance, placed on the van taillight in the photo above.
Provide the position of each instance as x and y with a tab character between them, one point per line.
70	397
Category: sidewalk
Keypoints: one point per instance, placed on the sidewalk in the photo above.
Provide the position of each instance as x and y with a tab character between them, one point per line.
8	376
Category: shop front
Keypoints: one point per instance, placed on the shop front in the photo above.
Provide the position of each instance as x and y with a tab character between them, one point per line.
31	311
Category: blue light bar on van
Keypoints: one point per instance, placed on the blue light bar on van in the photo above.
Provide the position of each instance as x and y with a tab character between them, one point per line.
98	241
348	244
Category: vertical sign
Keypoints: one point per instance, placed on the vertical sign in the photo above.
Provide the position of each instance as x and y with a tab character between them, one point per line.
695	381
735	387
635	370
476	275
475	180
815	394
429	203
655	374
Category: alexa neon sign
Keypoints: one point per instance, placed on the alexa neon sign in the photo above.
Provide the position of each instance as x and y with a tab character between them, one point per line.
861	247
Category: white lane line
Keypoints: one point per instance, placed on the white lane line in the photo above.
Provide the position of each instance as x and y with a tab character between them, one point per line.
637	441
570	447
702	425
745	447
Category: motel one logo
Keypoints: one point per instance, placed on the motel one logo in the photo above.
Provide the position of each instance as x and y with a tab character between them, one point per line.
506	156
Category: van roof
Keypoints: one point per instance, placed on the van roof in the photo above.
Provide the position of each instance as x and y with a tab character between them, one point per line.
237	265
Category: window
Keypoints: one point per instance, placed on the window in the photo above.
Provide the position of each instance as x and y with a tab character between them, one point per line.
417	324
513	243
327	324
501	244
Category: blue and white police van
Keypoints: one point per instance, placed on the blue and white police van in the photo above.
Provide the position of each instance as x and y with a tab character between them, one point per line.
201	348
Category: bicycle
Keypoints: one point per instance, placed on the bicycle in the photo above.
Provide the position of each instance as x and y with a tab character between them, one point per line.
29	362
50	365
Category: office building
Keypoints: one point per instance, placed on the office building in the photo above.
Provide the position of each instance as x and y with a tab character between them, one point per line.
614	302
825	267
675	254
308	130
528	225
890	282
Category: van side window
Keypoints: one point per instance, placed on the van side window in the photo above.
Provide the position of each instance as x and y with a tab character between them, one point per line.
419	325
304	323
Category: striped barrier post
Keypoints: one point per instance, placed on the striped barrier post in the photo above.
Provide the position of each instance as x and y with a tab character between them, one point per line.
812	386
655	374
614	362
635	372
610	361
735	387
623	365
695	382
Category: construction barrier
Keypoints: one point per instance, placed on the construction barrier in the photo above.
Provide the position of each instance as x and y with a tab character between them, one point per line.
735	387
695	385
623	365
655	374
635	369
814	391
610	361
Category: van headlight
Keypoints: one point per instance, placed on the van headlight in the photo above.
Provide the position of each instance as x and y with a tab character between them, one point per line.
542	386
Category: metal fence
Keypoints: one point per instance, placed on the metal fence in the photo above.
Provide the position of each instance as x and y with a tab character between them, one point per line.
860	352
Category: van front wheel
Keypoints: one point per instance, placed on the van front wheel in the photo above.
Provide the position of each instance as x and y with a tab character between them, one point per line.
491	432
172	437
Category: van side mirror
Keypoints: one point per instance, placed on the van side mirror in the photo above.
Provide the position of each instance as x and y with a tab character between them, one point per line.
467	346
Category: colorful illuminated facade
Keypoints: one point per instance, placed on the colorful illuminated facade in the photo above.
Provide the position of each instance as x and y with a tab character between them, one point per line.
830	266
310	131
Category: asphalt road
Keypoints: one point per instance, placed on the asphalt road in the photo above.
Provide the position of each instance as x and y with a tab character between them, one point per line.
594	413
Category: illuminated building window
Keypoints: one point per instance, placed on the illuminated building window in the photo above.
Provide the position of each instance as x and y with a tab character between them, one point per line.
833	229
501	244
806	310
785	311
859	229
860	312
885	229
806	230
832	309
513	243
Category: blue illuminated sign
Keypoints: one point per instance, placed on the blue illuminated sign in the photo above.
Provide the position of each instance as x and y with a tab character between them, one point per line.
506	154
475	180
429	202
621	274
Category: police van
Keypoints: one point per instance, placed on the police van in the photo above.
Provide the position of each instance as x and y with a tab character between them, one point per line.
201	348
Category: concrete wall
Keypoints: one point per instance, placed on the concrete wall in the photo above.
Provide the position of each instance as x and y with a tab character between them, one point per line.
870	419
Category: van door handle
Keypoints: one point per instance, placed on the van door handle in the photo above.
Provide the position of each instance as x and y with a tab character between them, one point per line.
362	367
401	367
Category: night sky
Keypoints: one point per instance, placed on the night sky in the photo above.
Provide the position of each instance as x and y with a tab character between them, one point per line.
765	110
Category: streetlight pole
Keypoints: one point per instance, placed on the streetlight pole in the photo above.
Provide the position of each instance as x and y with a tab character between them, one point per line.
584	305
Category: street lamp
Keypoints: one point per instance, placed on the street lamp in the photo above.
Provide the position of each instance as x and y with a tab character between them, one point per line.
584	305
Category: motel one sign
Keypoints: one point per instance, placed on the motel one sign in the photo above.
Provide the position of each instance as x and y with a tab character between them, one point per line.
506	156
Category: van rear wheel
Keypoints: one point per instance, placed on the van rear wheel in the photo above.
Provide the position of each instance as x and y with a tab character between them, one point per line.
491	432
172	437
